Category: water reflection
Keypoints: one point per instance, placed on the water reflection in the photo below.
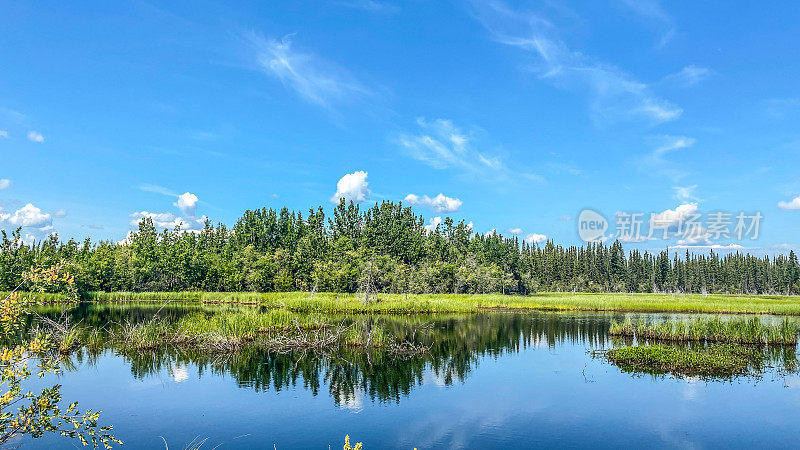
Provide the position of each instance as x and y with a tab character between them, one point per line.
457	344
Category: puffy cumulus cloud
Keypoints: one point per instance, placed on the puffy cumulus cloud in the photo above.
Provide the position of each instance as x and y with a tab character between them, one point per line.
35	223
685	220
441	203
187	203
433	222
33	136
515	231
791	204
352	187
30	216
534	238
5	183
674	217
169	221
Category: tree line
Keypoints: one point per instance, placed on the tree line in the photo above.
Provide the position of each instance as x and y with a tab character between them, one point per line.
386	247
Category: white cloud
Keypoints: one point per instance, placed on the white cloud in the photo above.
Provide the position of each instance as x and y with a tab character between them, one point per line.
3	133
441	203
353	187
534	238
689	76
372	6
685	193
187	203
712	246
30	216
157	189
792	204
60	213
781	107
169	221
491	232
35	137
674	217
652	10
5	183
433	222
443	145
470	225
656	162
515	231
314	79
615	96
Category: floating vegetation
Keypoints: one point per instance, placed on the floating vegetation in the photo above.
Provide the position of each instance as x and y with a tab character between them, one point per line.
713	361
731	330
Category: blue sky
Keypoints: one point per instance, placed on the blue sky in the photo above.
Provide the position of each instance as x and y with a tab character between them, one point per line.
520	115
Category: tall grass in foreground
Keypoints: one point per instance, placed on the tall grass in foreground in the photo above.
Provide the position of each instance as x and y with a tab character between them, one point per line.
734	330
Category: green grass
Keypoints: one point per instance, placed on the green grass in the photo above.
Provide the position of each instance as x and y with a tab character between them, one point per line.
438	303
715	329
722	360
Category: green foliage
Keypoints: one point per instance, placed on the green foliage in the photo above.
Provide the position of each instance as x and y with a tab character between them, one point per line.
40	413
282	251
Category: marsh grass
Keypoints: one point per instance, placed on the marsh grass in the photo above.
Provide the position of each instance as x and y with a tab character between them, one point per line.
713	361
439	303
731	330
229	331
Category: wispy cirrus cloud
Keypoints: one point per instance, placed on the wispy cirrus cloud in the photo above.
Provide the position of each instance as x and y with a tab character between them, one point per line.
685	193
651	10
656	162
443	145
615	96
689	76
314	79
372	6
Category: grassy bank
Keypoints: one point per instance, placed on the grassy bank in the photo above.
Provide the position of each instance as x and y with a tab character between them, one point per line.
436	303
714	329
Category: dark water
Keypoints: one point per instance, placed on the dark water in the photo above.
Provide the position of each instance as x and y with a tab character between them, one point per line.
497	380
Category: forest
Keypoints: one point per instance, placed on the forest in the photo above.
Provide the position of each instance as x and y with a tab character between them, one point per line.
384	248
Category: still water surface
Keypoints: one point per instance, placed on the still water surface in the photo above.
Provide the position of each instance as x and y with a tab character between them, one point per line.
495	380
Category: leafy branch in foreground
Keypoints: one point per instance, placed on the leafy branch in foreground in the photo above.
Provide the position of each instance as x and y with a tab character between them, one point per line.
39	413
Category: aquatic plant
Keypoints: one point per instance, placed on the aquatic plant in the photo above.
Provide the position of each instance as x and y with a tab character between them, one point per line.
719	360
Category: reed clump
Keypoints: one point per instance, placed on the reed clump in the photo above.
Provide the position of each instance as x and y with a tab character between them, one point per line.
733	330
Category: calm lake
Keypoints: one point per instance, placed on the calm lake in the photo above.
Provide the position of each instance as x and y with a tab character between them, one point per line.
491	380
